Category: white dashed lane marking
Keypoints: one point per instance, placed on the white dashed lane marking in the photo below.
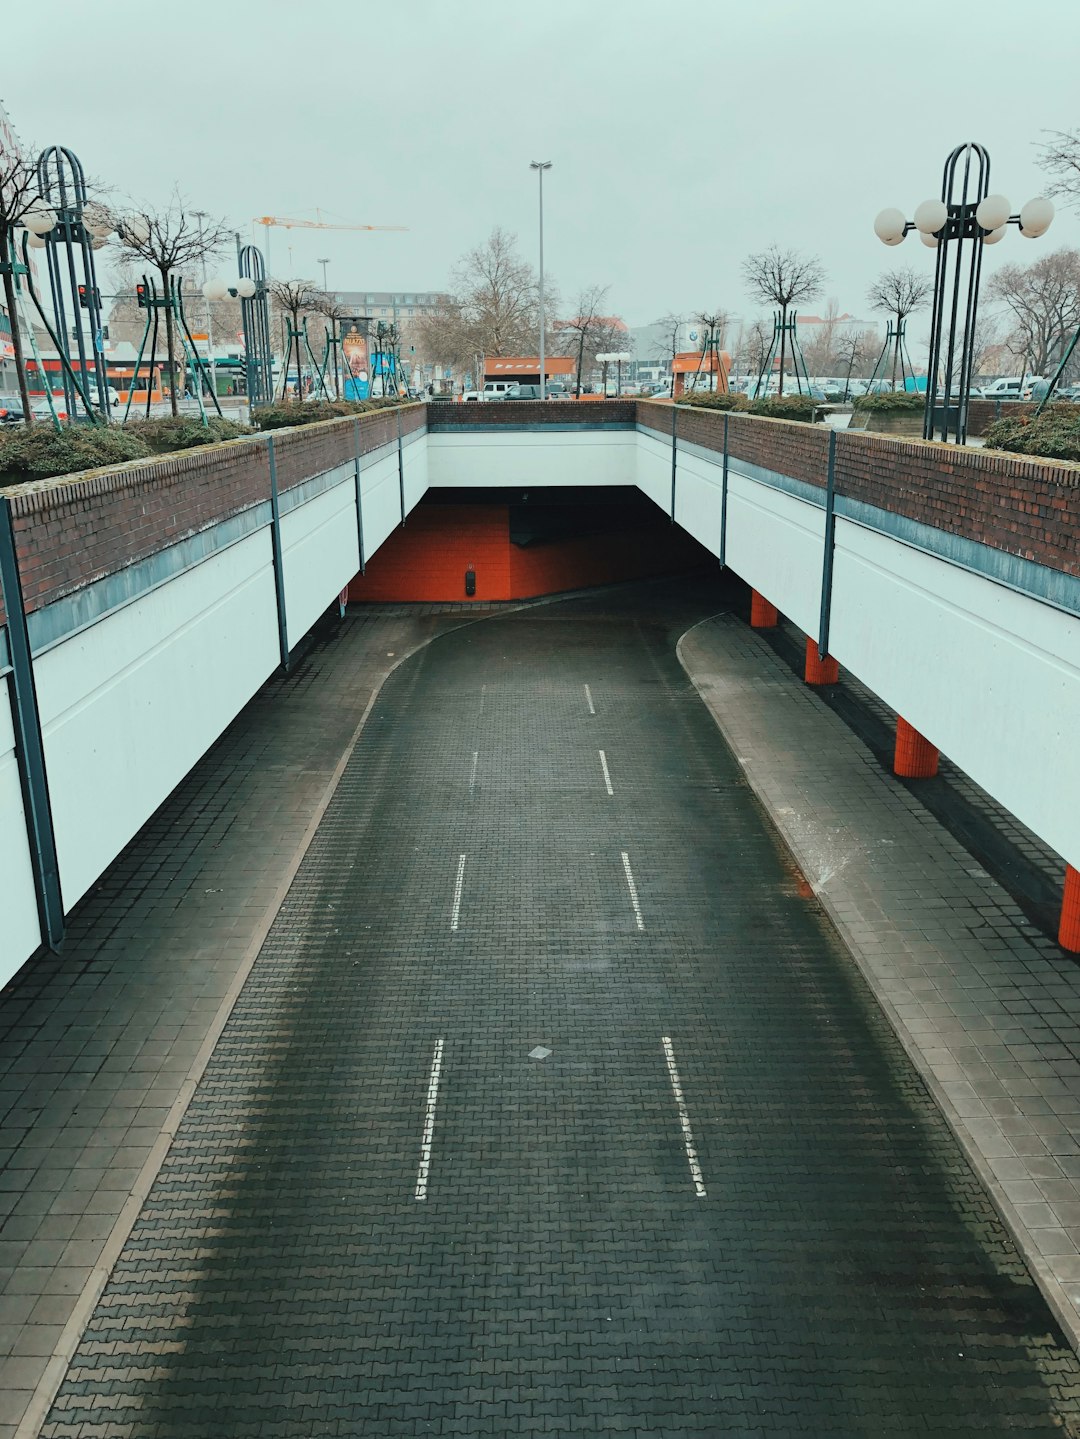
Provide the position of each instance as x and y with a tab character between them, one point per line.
633	889
424	1170
459	884
684	1119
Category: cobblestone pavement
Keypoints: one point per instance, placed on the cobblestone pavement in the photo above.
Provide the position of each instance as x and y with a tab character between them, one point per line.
97	1046
554	1105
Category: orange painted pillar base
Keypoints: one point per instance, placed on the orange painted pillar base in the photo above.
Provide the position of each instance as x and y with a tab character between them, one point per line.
915	757
1069	929
819	671
763	616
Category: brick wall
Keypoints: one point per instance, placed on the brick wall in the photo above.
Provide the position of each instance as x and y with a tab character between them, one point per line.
72	530
1027	507
533	413
427	559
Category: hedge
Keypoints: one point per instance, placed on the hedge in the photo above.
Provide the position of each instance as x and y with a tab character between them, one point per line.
1055	434
35	452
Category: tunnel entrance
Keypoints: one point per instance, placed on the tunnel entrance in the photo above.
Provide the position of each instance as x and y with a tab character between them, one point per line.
511	544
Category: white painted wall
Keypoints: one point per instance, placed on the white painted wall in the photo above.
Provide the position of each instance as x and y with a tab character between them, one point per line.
382	498
990	676
130	703
19	930
536	457
320	552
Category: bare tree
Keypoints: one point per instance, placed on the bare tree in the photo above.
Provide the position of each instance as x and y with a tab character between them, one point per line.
713	325
898	293
758	339
670	325
1060	157
783	278
581	334
298	299
1043	301
850	350
330	312
20	198
172	242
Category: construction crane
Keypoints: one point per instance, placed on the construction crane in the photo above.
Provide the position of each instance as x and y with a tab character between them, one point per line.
286	223
319	224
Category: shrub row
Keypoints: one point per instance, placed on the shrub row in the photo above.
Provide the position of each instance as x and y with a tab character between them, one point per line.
899	402
1055	434
786	407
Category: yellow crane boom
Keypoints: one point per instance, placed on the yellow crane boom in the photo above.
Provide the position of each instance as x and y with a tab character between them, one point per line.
289	224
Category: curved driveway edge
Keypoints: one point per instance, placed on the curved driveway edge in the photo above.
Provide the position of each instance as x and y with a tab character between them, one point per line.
987	1008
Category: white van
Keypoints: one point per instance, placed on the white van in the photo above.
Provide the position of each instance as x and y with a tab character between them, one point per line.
1004	389
496	389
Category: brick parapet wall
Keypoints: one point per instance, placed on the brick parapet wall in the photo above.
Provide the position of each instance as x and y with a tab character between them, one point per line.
73	529
533	413
1023	506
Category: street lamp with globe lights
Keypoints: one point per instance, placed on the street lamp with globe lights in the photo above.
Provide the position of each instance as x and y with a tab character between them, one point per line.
965	219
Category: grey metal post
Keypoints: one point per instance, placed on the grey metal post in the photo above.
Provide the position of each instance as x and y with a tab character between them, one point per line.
540	166
674	456
359	497
29	743
400	467
723	500
279	566
827	557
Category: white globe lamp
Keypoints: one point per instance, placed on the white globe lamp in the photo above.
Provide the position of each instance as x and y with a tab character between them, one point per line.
1035	218
930	216
245	288
39	219
993	212
889	226
930	241
135	229
215	289
36	242
995	235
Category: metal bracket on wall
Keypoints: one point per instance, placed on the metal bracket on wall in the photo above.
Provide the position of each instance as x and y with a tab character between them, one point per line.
359	497
827	557
400	467
29	742
279	565
674	454
723	500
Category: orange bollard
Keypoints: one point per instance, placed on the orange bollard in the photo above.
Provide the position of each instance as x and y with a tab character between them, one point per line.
763	616
915	757
1069	929
819	671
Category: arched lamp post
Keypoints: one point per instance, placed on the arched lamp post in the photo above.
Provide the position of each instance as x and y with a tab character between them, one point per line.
958	226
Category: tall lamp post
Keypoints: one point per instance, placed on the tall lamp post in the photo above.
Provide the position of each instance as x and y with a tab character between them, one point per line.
540	166
957	226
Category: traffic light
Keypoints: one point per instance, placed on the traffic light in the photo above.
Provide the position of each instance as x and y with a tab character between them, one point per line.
84	296
140	296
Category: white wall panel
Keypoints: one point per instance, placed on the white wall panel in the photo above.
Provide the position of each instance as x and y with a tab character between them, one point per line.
130	703
538	457
320	553
382	500
775	544
990	676
20	933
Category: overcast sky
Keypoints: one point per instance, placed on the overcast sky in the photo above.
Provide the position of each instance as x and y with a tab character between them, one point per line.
683	135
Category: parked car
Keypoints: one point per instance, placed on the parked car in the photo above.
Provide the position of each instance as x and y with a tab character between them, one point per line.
40	410
518	391
11	410
496	389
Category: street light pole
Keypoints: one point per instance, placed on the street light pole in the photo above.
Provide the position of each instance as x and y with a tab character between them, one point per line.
201	215
324	264
540	166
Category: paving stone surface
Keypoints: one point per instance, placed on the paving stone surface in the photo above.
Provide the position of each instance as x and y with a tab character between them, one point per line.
553	1104
96	1044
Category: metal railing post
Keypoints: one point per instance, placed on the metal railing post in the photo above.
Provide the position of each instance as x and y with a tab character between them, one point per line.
279	565
400	467
29	742
674	454
359	497
723	500
827	557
